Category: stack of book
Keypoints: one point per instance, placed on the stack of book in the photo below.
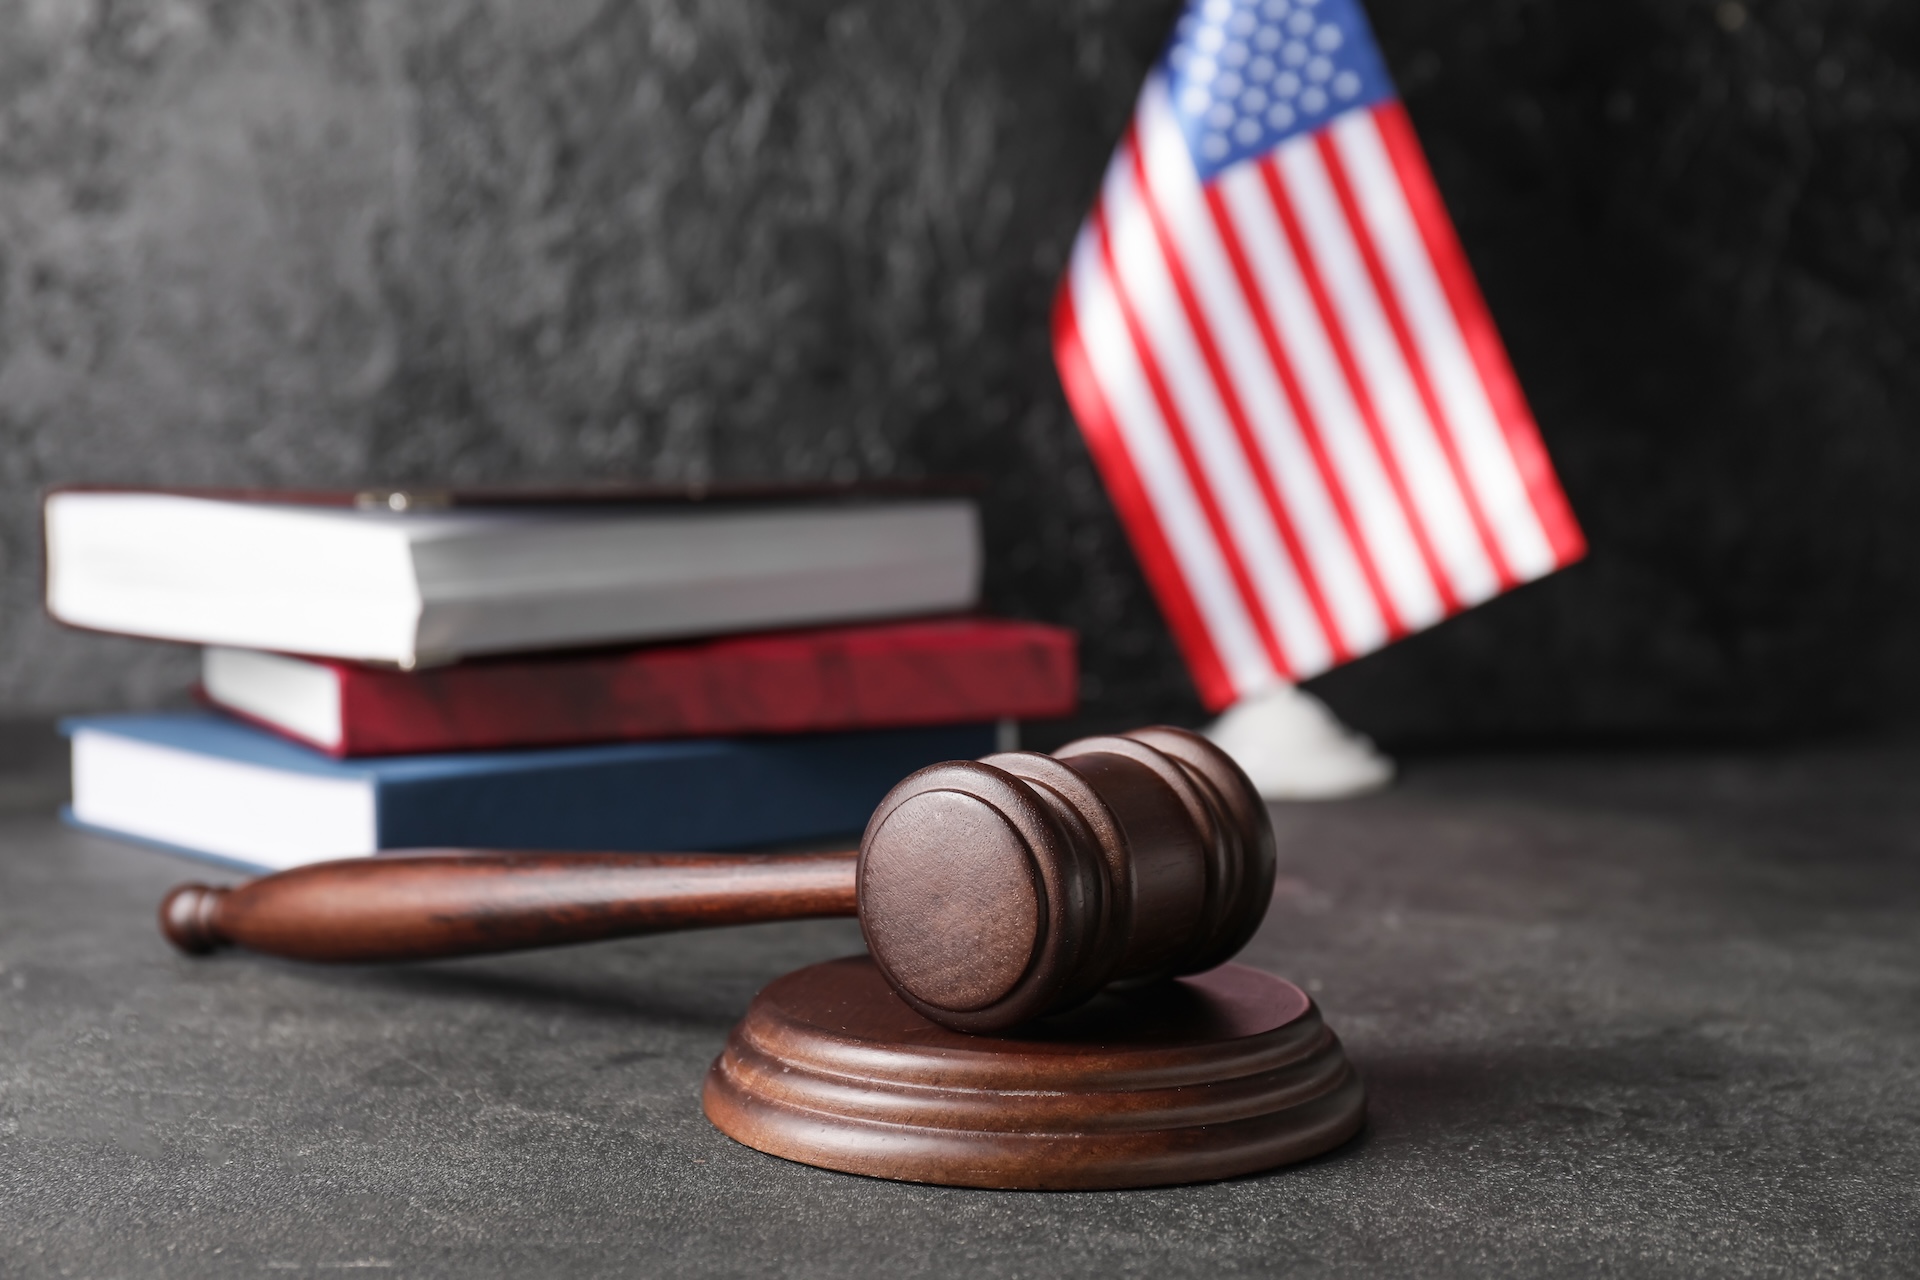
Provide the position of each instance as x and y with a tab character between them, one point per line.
535	671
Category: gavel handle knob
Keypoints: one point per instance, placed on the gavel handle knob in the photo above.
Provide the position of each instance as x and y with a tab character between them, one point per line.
422	908
186	918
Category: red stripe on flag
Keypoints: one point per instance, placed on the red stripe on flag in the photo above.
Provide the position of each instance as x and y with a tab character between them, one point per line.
1310	427
1137	515
1482	338
1410	355
1170	414
1198	322
1362	398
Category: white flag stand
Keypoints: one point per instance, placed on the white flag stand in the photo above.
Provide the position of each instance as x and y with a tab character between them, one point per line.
1294	748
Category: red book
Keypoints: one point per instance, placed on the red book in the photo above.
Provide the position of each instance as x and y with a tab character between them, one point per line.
875	676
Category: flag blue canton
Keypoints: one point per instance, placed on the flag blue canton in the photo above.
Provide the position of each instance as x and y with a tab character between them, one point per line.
1246	75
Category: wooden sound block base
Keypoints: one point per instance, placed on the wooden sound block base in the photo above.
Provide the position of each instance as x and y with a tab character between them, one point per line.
1222	1074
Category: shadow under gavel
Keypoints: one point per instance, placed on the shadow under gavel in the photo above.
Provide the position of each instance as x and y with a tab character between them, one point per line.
990	892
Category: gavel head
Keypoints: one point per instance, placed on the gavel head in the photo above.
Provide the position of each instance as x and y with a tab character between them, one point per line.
997	891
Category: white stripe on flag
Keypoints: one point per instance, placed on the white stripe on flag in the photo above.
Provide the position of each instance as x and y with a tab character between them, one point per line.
1336	418
1162	475
1204	422
1174	188
1423	464
1482	447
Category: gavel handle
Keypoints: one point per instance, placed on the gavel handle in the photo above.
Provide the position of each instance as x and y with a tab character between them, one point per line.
421	908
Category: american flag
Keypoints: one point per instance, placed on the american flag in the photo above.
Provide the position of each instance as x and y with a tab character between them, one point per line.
1281	362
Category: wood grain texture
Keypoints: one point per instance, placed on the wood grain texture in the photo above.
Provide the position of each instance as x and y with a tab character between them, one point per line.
990	892
1119	858
420	908
1210	1077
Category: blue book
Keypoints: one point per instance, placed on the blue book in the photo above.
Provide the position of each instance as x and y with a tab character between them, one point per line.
209	787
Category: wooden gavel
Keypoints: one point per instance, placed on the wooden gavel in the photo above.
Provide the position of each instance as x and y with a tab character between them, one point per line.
990	892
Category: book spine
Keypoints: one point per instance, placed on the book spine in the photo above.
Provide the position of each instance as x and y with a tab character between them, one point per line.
725	795
762	685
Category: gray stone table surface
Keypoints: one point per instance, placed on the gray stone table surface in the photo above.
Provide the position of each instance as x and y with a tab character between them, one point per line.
1652	1014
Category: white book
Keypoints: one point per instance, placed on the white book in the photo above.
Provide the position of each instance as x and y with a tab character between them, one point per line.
428	585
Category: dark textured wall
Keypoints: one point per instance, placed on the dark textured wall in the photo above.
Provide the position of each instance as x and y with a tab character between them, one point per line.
336	243
1699	226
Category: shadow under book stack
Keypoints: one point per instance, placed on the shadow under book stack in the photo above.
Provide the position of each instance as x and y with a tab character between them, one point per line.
594	671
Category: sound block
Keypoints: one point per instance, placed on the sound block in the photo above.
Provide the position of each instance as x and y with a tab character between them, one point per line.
1213	1076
